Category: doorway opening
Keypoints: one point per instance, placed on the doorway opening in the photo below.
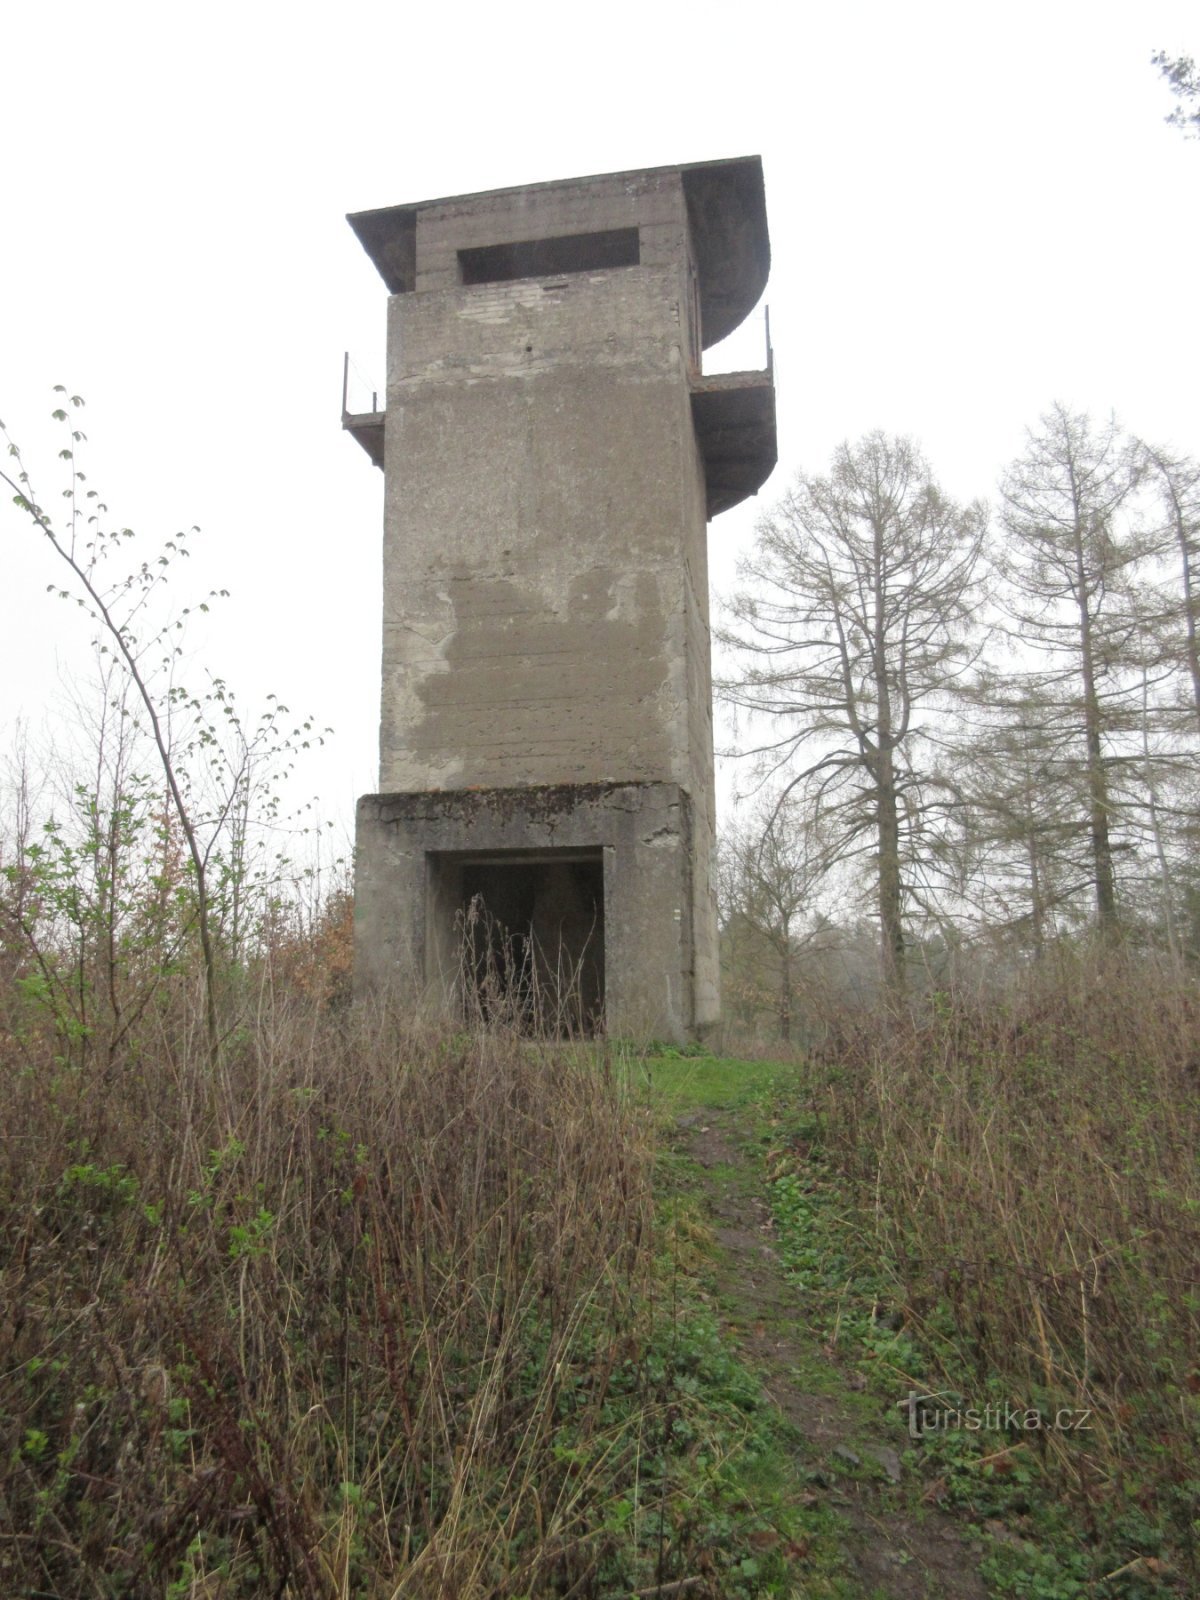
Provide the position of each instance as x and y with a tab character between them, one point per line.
529	932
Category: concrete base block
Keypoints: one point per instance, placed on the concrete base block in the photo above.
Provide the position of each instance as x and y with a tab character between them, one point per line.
602	870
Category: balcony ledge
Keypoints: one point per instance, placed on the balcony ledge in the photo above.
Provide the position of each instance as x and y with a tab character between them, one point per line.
734	418
367	428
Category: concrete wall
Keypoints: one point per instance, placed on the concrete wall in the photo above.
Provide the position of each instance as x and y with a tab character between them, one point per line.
702	786
538	517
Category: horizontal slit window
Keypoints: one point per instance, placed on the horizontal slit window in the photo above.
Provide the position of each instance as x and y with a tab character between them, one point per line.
545	258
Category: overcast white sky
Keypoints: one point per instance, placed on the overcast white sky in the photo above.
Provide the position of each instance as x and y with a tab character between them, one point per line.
974	210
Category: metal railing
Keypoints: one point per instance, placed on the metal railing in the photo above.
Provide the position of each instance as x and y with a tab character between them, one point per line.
739	352
355	387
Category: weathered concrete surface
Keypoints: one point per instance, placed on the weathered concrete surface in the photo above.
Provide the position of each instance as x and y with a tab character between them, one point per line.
413	849
546	495
545	536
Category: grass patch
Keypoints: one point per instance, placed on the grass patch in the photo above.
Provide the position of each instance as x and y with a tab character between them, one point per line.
787	1504
998	1212
679	1082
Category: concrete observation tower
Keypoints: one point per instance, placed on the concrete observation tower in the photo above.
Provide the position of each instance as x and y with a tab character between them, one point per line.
552	454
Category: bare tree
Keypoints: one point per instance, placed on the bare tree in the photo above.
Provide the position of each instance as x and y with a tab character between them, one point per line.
1176	481
220	779
855	619
1071	560
81	544
771	867
1021	875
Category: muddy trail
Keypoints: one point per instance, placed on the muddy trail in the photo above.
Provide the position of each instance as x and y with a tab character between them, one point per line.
850	1449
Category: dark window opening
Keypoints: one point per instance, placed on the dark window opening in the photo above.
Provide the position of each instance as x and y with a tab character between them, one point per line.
544	258
532	943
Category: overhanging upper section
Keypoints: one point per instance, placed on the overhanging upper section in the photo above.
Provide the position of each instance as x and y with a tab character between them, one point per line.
389	236
726	220
727	210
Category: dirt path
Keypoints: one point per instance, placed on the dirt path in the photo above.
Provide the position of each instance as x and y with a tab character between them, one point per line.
850	1451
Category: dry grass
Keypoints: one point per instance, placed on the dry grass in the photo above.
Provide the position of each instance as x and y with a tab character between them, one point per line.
345	1318
1031	1162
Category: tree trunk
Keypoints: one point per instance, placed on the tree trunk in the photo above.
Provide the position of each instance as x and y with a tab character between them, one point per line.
785	983
1037	911
1156	833
1107	921
891	925
1192	647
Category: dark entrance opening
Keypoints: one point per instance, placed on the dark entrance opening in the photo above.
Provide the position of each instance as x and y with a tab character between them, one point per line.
533	942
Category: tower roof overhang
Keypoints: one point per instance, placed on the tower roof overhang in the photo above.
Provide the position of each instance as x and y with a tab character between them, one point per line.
727	214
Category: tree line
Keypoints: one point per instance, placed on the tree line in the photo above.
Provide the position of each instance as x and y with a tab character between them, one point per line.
985	723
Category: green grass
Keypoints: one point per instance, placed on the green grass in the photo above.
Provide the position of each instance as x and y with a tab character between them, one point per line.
852	1300
772	1512
676	1082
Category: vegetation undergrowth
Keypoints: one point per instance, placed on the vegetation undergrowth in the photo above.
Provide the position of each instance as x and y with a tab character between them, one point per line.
364	1311
794	1533
993	1214
347	1315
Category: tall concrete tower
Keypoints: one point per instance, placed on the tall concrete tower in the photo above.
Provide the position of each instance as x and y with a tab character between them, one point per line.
552	454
